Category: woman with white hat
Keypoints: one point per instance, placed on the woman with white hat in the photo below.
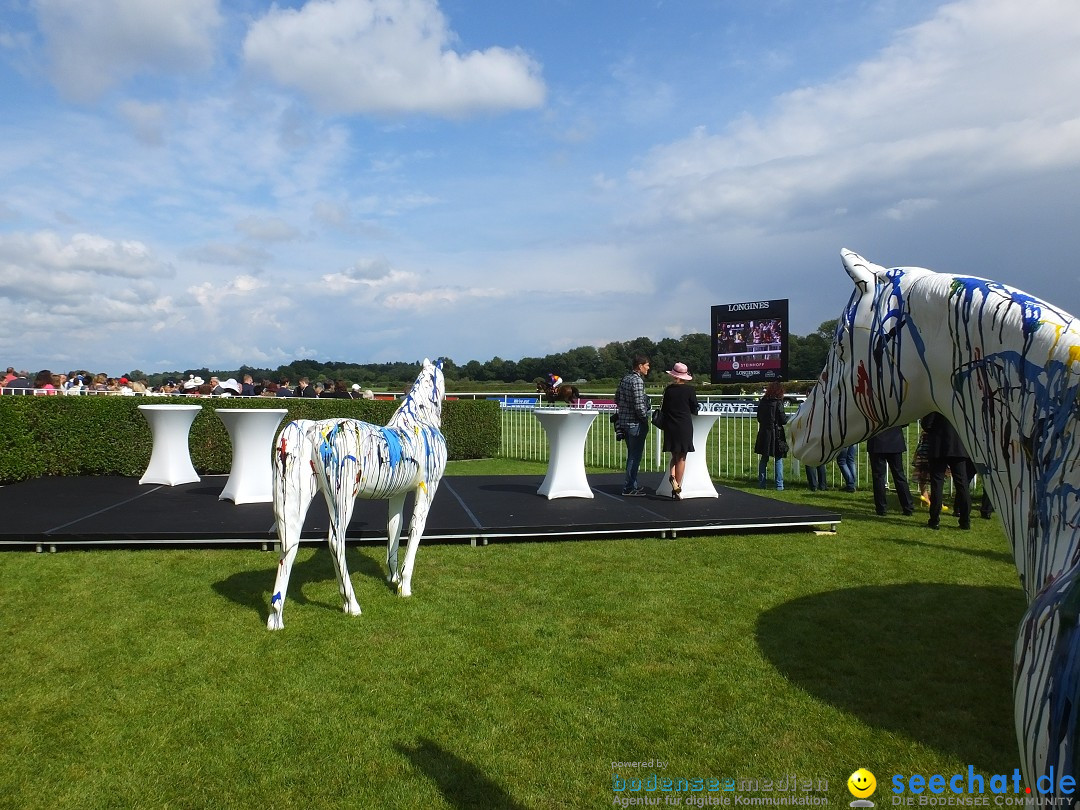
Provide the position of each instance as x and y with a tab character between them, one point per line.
679	406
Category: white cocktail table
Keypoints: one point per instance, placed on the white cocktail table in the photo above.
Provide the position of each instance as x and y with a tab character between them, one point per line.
566	429
697	483
252	431
170	459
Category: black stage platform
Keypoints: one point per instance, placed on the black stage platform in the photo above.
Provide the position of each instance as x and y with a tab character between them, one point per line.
53	513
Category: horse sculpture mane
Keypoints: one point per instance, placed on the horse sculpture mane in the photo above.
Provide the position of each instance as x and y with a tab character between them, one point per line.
1004	368
347	459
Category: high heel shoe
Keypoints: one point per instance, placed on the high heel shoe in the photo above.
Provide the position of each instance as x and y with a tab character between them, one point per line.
676	490
926	500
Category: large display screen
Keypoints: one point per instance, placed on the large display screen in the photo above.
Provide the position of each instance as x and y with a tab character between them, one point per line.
750	341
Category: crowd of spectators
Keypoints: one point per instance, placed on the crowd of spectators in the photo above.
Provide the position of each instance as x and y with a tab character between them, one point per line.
46	383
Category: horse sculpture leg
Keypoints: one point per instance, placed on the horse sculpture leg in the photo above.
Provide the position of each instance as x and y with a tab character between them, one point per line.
1046	687
396	511
337	547
294	489
337	474
425	493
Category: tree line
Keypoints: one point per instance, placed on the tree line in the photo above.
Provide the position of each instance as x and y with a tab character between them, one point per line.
806	358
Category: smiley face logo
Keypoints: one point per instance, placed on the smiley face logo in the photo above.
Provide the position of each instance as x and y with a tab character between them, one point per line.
861	783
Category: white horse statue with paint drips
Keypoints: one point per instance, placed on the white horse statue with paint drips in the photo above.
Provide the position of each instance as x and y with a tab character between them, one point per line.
347	459
1004	367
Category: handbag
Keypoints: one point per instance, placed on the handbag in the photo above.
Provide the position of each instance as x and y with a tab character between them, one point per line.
781	442
615	426
658	419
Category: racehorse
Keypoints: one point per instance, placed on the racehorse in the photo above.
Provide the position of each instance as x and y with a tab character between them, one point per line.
347	459
1002	366
562	393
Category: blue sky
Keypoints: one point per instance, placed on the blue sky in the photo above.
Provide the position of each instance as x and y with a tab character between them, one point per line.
208	183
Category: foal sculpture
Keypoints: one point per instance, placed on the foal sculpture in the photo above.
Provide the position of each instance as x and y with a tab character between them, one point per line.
1004	367
346	459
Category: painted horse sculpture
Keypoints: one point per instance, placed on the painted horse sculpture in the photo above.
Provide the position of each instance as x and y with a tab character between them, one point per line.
1004	367
347	459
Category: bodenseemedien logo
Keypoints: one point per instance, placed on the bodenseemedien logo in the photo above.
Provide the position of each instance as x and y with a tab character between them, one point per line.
862	785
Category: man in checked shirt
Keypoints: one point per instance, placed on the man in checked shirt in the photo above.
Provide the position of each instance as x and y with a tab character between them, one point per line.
632	420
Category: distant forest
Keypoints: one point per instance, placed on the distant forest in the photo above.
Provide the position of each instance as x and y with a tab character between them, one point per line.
806	358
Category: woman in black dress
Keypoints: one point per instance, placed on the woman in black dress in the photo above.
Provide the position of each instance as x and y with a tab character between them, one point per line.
679	405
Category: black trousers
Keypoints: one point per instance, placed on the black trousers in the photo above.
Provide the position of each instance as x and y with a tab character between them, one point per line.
961	478
895	463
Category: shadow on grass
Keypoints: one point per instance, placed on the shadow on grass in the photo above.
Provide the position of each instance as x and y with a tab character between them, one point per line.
252	588
461	783
930	661
992	556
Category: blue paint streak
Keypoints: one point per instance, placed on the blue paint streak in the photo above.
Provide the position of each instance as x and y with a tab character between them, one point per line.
326	449
393	445
1030	306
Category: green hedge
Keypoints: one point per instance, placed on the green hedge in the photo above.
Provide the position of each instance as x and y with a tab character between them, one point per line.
106	435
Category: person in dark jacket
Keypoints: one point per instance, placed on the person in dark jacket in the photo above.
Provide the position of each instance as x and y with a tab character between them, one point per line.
305	389
886	449
18	384
340	390
944	451
768	441
632	420
679	407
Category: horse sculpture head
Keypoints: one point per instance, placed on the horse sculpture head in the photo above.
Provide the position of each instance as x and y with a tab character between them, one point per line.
1000	365
423	403
876	375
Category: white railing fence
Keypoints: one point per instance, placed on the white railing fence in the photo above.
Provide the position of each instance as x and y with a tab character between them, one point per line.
729	451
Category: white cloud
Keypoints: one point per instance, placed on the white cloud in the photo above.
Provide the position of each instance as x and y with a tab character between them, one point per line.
367	278
228	254
77	291
146	120
210	295
267	229
601	182
905	209
83	255
338	216
643	98
332	214
440	297
984	89
95	44
387	56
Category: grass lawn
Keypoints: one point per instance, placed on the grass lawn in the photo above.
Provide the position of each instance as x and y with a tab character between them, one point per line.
516	675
